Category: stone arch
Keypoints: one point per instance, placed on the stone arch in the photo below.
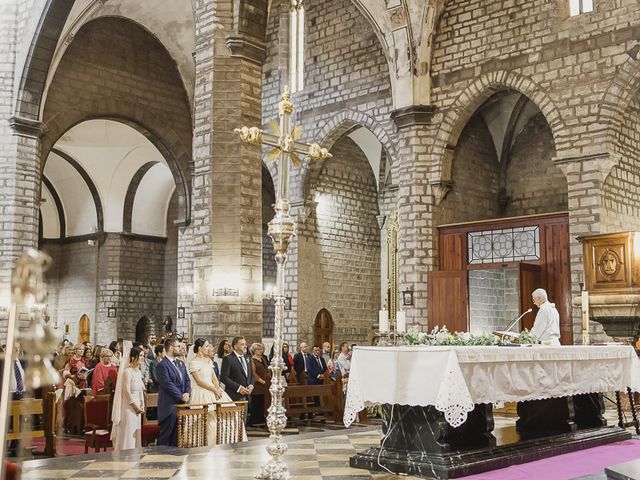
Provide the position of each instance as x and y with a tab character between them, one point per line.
163	137
90	185
617	99
167	126
40	53
473	96
335	128
127	213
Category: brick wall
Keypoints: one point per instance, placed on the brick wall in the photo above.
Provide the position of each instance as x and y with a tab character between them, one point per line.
534	184
621	197
122	272
493	299
340	245
72	285
170	274
346	80
114	67
476	173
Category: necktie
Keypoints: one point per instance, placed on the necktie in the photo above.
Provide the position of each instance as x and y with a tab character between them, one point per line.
304	358
243	362
319	362
175	364
19	382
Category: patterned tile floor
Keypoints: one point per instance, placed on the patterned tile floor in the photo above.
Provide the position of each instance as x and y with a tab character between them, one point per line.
311	456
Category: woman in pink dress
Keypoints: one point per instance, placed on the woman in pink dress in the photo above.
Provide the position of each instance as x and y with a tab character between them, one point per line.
128	401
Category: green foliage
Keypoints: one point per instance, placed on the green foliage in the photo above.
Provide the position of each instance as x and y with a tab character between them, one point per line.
442	336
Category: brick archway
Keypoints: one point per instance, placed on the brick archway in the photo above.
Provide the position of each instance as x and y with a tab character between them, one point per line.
474	95
337	127
617	99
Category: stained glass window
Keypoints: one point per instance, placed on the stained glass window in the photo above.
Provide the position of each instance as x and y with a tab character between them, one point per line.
504	245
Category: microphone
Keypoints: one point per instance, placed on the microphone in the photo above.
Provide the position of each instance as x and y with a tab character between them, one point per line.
516	320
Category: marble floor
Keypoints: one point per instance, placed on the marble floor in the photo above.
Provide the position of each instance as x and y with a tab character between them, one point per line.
311	456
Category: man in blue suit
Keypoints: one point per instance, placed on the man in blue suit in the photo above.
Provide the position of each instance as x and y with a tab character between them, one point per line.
316	367
173	389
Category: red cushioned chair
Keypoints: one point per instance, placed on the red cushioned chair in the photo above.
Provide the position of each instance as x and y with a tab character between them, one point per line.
11	471
97	423
150	430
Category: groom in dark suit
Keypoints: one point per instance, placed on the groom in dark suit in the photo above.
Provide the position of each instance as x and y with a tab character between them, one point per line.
173	389
236	372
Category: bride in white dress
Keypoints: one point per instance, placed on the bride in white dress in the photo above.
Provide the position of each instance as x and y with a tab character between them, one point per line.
205	387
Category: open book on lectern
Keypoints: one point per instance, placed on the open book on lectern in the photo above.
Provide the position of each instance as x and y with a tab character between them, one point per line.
504	334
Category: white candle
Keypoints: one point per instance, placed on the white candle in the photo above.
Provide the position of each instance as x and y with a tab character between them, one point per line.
401	321
585	317
383	321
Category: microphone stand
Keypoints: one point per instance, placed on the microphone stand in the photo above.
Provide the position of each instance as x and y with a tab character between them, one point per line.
502	337
517	319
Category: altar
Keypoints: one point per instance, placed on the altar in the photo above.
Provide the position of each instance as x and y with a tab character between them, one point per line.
437	403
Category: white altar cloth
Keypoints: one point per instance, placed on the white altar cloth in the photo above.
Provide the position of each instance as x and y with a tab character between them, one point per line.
453	379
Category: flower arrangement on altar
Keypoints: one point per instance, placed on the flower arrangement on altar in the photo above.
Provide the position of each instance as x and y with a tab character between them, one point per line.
442	337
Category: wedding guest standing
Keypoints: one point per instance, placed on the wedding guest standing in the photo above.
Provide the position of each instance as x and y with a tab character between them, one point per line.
128	402
237	373
173	389
105	374
261	378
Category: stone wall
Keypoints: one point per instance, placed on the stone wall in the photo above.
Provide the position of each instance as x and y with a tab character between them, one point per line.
123	272
493	299
476	173
72	281
340	245
170	274
346	84
534	184
621	189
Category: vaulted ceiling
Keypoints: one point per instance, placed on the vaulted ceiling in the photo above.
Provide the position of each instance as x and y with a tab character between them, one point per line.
103	175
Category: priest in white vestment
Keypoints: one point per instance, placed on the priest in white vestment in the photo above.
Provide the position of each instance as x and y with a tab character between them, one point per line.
546	327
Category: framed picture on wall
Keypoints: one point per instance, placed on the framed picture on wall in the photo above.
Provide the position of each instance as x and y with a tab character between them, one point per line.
112	312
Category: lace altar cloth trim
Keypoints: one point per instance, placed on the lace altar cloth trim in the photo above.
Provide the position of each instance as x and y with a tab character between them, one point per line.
453	379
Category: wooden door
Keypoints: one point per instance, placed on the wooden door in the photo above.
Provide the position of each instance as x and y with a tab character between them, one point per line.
529	278
448	300
84	329
323	328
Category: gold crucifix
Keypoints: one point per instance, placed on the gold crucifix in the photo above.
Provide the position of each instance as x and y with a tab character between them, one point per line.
281	230
284	142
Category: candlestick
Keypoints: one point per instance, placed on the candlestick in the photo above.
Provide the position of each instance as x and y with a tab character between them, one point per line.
383	321
401	321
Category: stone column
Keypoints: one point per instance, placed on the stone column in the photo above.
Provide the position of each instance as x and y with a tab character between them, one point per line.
415	225
19	166
225	237
585	177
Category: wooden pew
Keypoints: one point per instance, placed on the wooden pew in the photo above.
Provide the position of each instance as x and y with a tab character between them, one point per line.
22	411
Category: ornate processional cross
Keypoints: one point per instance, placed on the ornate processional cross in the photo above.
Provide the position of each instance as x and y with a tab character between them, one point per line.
281	230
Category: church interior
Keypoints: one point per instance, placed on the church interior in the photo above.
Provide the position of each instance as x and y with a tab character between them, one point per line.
412	225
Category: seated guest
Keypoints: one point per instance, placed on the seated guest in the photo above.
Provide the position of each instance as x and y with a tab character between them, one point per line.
105	374
75	369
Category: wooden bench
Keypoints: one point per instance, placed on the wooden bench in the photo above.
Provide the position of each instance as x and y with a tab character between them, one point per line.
22	413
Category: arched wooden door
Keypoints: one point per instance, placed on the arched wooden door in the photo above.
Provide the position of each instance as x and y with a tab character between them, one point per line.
84	329
323	328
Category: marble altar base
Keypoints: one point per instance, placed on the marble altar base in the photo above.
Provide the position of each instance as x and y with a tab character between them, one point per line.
420	442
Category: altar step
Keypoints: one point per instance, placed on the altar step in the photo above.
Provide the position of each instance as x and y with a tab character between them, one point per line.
459	464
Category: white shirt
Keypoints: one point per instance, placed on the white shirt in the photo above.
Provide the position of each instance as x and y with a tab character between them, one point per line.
546	327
